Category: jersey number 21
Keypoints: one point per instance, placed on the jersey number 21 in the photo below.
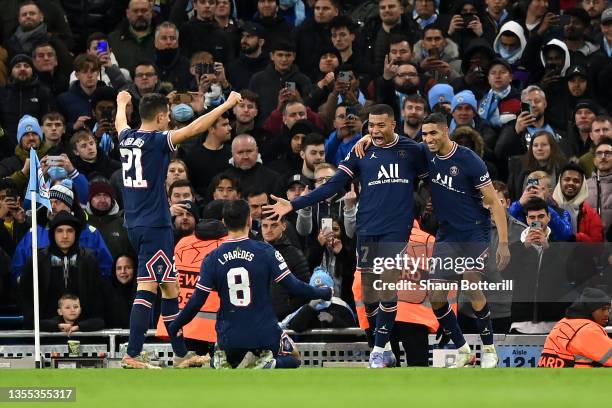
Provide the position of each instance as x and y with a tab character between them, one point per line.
133	160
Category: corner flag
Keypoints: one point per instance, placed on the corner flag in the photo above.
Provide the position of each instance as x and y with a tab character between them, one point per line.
37	181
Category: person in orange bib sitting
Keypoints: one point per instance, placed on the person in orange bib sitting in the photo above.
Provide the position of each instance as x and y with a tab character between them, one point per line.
579	339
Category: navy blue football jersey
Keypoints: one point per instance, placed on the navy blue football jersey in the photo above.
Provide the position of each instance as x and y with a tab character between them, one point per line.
240	271
386	175
455	180
145	157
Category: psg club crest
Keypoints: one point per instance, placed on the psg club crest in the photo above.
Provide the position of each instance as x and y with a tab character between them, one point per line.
402	154
454	171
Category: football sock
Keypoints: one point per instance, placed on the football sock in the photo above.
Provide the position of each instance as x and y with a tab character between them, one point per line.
139	321
371	312
388	347
447	319
485	327
169	311
385	320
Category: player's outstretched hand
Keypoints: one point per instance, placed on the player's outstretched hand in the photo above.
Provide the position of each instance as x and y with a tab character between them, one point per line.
362	145
123	98
234	99
281	208
502	256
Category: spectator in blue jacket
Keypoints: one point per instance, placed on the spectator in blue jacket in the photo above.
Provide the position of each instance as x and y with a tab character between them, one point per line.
75	103
347	132
62	199
539	185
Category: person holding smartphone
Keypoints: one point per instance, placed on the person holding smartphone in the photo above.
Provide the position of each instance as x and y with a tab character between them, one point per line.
539	273
12	215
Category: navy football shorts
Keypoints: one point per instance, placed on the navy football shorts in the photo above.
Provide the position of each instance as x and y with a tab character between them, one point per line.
457	252
155	248
371	249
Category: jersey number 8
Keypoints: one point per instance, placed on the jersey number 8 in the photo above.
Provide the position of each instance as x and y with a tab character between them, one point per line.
133	159
239	287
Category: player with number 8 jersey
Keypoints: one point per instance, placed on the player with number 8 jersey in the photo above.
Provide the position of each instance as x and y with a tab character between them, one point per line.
145	156
241	271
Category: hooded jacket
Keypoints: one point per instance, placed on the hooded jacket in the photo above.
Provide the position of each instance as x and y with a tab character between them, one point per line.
600	197
585	221
73	272
90	239
519	72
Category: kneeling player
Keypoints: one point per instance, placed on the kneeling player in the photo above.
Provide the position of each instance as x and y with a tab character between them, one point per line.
240	270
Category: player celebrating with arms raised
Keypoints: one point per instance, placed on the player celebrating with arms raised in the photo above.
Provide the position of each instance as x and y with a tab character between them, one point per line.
241	270
384	216
145	156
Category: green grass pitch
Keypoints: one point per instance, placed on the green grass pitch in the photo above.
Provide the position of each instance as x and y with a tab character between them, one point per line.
314	388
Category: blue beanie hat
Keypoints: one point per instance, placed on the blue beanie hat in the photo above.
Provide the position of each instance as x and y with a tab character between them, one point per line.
462	98
182	113
320	277
28	124
440	93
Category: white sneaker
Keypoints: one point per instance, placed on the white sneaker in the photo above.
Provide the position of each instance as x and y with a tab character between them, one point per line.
488	357
465	357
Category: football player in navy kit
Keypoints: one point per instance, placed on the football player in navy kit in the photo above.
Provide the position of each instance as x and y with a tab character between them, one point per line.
145	156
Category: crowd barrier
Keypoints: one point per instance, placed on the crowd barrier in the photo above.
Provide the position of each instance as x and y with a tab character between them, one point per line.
513	350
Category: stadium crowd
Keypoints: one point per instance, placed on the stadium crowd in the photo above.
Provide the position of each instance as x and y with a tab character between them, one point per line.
523	84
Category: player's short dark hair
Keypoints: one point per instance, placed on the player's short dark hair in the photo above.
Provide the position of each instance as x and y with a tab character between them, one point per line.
382	109
535	204
312	139
179	184
151	105
436	118
235	214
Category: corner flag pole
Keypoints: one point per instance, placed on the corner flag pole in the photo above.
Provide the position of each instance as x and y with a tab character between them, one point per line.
35	281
